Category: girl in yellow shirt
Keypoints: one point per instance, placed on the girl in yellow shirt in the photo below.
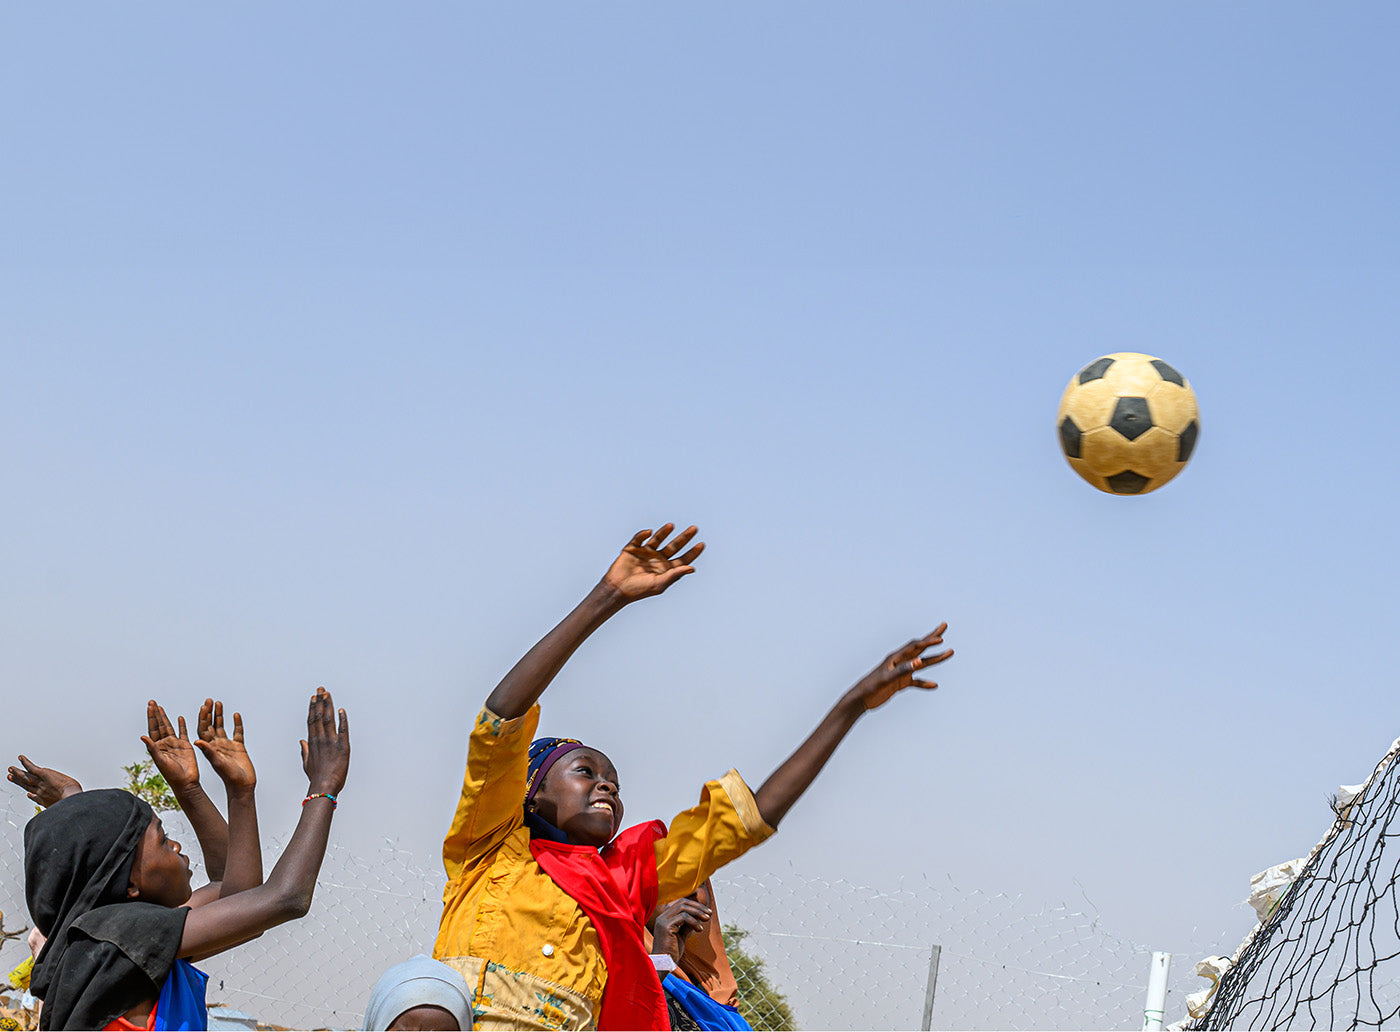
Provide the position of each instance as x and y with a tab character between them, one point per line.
546	902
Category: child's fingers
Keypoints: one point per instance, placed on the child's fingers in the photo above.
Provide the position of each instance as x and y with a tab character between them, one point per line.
345	727
935	637
927	686
152	723
163	722
674	574
206	748
219	719
305	752
937	657
655	540
238	728
679	542
693	554
184	732
638	538
29	765
149	743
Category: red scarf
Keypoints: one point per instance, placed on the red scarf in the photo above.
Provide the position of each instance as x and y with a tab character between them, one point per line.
616	888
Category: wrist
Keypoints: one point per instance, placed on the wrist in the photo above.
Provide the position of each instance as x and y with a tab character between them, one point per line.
606	599
183	790
323	788
239	793
851	706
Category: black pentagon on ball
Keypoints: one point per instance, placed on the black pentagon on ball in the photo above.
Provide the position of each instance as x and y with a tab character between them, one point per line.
1168	373
1070	437
1131	417
1127	482
1095	370
1186	444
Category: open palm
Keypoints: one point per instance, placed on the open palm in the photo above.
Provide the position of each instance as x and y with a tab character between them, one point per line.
172	754
648	564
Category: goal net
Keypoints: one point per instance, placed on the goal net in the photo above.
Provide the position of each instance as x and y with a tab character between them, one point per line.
1326	951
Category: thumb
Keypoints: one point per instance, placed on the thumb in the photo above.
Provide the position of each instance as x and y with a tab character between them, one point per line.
674	574
305	752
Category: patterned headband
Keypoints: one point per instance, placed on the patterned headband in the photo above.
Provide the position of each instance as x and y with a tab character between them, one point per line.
545	753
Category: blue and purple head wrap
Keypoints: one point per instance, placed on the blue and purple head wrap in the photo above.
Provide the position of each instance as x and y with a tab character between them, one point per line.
545	753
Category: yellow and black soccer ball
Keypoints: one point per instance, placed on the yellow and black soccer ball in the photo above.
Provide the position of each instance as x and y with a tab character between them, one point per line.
1128	423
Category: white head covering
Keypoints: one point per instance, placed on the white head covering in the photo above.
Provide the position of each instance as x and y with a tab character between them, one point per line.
415	983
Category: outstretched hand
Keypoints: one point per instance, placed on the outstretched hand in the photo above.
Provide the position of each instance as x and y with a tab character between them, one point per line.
43	785
172	754
325	752
649	565
226	755
898	669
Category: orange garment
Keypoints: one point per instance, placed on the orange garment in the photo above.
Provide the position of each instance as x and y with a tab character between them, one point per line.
526	949
704	962
120	1024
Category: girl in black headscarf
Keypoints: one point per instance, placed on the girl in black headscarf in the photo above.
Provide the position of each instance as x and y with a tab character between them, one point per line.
110	891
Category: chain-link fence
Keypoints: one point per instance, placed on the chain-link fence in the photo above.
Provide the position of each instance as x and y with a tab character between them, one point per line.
842	955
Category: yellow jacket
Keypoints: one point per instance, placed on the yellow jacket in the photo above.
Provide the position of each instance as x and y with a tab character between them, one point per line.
523	945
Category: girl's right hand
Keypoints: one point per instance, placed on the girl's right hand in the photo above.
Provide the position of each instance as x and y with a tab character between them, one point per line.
228	756
325	752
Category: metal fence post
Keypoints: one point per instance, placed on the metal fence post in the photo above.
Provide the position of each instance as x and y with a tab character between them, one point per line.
1156	1007
935	951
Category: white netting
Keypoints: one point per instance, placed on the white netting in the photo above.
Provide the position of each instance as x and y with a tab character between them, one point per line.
843	955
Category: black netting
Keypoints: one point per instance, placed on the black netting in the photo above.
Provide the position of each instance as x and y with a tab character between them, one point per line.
1329	954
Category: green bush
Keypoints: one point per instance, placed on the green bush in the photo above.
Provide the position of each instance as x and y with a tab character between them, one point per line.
761	1004
145	782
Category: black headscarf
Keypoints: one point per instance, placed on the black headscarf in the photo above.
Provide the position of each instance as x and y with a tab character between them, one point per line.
105	953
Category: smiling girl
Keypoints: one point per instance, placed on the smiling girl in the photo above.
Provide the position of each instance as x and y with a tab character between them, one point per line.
546	902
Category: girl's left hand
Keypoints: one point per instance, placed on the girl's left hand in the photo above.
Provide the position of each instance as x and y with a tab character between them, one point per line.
898	669
226	755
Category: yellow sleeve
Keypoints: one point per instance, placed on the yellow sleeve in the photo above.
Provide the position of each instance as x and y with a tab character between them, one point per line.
724	826
493	790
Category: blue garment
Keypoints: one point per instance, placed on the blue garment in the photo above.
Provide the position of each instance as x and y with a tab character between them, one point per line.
181	1002
705	1011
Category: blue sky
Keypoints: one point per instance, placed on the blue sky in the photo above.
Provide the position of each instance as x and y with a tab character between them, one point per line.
345	344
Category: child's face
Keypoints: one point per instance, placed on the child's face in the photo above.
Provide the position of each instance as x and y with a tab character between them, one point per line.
579	797
160	873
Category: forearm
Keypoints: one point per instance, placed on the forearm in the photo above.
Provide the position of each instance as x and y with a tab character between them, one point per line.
522	687
786	784
208	824
244	868
285	896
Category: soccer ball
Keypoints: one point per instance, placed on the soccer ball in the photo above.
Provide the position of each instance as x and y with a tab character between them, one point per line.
1128	423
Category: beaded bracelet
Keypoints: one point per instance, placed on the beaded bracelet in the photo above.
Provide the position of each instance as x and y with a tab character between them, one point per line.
320	795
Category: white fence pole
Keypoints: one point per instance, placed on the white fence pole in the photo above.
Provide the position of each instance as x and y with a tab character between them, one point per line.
1156	1007
935	952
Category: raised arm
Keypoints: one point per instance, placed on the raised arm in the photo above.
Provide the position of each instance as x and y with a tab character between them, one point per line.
647	566
230	760
43	785
286	895
175	758
896	673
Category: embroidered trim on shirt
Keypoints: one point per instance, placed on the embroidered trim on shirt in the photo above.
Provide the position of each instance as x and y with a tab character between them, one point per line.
498	726
745	805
